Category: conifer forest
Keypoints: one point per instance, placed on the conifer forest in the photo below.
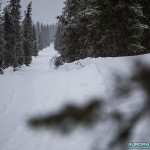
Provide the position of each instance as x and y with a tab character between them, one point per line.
103	28
20	37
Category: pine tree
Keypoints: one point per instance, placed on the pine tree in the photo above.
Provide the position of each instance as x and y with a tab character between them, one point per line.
9	38
124	29
28	36
42	37
1	51
35	49
15	14
121	28
100	28
38	30
69	28
40	42
52	32
1	45
57	38
45	34
146	20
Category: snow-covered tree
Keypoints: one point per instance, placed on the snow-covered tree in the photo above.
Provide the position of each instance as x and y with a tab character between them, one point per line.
68	33
123	30
28	36
146	20
1	45
20	42
35	48
38	30
9	39
52	32
45	34
15	14
100	28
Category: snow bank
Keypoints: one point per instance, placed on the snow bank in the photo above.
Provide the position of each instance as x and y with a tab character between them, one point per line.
39	89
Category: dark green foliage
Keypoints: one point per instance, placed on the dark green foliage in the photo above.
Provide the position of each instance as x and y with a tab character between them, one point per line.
8	37
16	39
1	54
58	61
67	33
1	46
35	48
123	30
146	20
69	117
28	36
101	28
45	34
13	54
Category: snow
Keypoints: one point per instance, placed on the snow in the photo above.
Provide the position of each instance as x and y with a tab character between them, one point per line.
41	89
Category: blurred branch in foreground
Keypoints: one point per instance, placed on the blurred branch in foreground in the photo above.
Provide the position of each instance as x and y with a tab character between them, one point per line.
72	116
69	117
138	81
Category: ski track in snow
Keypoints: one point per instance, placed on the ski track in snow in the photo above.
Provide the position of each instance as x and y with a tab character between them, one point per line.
39	89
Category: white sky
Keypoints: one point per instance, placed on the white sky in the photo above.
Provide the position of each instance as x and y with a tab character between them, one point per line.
45	11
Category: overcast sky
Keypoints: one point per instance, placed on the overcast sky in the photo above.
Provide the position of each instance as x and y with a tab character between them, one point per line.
44	10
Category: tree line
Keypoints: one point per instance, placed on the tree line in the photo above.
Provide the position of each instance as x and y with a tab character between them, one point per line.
20	38
102	28
45	34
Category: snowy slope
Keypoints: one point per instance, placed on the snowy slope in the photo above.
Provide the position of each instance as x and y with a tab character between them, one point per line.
39	89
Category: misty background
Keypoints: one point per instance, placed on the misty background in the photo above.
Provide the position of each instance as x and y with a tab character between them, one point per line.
44	11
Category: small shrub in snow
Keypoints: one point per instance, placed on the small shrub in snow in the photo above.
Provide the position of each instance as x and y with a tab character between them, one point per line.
58	61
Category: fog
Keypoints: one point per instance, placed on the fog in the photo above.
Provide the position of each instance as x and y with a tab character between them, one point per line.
44	11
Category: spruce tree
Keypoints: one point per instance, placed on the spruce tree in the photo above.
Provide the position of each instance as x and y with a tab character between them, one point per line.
15	14
101	28
38	30
1	45
45	34
57	38
35	49
9	38
1	50
69	28
27	36
40	42
121	28
124	29
146	20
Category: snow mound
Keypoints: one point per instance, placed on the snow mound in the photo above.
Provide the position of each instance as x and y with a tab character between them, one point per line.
41	89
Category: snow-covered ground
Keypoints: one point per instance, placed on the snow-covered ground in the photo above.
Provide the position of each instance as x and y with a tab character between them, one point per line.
40	89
